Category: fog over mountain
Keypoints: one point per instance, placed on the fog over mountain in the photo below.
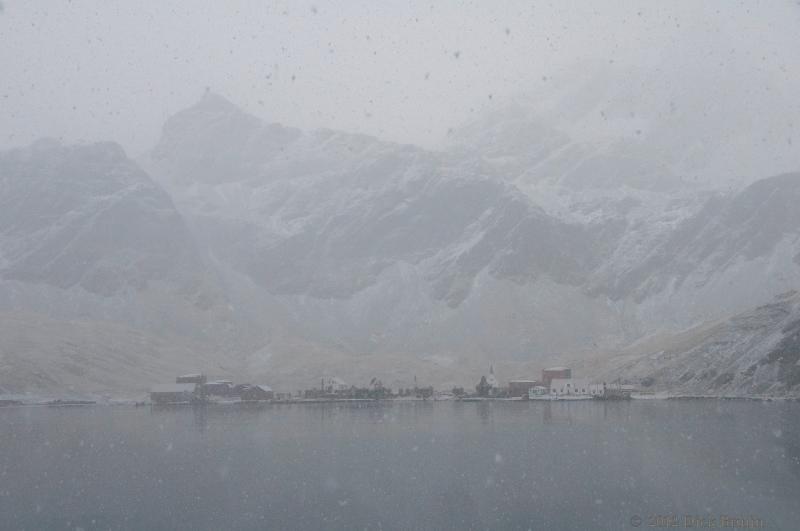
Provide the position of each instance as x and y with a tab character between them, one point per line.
706	91
632	205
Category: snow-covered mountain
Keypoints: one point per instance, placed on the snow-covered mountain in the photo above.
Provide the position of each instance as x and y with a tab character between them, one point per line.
377	246
86	233
293	253
89	242
382	248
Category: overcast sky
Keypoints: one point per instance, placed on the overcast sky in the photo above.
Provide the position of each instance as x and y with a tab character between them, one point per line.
86	70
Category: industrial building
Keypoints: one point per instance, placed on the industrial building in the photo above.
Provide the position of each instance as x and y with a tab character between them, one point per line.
219	388
520	387
570	386
555	372
177	393
257	392
334	385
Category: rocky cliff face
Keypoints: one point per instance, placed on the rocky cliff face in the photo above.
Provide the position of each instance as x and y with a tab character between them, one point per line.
86	236
753	353
735	251
88	218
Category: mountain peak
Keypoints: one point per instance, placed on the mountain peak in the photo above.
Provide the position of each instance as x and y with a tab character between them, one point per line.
212	101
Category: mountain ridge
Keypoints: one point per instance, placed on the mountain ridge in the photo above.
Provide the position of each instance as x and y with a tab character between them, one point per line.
263	240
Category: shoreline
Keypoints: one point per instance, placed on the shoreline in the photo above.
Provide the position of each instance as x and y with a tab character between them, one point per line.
40	402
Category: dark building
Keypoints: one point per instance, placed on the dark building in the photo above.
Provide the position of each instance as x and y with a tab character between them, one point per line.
548	375
177	393
520	387
219	388
256	392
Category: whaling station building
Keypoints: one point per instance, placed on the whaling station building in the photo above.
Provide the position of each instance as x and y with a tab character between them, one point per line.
558	381
177	393
521	387
193	388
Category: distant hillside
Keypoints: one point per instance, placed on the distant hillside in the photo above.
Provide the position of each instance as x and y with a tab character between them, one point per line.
754	353
49	357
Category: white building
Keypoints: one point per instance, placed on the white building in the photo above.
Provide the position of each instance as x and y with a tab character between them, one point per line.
333	384
537	390
572	386
598	389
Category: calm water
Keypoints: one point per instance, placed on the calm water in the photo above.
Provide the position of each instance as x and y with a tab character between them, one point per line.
580	465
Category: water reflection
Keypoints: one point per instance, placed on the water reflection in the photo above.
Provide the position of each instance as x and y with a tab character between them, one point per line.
788	435
404	465
484	411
